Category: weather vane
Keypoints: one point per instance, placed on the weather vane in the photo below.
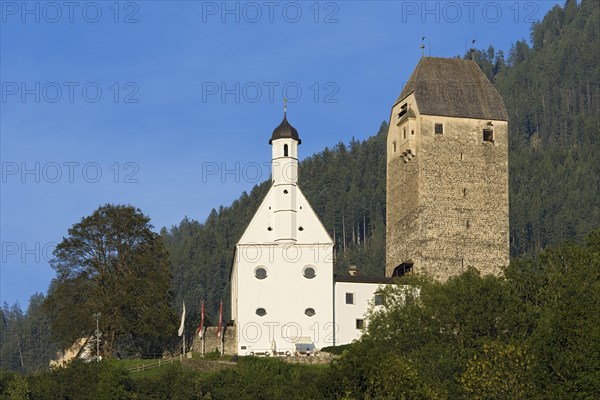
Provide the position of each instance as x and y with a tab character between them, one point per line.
285	105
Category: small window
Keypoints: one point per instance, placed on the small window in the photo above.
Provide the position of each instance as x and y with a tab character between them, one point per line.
403	110
243	347
465	192
412	132
349	298
310	312
260	273
285	191
261	312
360	323
394	147
300	229
378	299
285	150
488	135
404	133
309	272
439	129
269	229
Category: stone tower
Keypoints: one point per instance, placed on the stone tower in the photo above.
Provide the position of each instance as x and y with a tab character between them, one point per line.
447	173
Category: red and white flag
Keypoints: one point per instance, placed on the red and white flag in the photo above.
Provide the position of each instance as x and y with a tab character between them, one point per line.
200	330
220	319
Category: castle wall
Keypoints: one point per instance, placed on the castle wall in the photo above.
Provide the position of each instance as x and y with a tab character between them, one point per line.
464	191
448	206
212	343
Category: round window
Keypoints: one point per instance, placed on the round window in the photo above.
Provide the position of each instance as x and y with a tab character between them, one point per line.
261	312
310	312
260	273
309	272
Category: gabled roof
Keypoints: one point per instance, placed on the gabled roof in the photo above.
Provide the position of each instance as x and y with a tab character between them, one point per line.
453	87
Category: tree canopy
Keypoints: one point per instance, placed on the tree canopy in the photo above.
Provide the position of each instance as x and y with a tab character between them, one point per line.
114	264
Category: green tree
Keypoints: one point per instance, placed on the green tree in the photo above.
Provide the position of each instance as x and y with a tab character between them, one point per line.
501	371
114	264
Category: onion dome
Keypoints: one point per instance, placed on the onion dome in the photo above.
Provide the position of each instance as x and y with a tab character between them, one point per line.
285	131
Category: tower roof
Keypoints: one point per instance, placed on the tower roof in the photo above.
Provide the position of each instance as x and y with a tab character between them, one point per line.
453	87
285	131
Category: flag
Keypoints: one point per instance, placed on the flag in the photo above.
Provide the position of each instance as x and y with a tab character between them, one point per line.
200	330
220	319
180	332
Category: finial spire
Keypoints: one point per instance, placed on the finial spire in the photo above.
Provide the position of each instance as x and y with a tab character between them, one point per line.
284	106
423	46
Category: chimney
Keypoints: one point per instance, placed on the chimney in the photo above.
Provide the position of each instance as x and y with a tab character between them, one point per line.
352	270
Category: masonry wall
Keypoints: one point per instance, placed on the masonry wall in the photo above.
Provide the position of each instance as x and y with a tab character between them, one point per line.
453	212
403	228
212	342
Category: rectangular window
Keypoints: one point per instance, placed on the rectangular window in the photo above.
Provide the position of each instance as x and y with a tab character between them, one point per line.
360	323
349	298
404	133
394	147
403	110
378	299
488	135
412	132
439	129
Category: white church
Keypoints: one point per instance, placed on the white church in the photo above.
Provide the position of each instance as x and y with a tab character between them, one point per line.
285	298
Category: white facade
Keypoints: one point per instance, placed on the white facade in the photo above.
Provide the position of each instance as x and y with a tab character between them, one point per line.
282	286
352	301
277	303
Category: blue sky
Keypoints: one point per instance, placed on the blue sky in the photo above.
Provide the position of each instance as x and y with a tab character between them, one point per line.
169	105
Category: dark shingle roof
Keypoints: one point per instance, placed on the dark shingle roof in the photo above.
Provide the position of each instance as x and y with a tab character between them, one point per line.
285	131
455	88
362	279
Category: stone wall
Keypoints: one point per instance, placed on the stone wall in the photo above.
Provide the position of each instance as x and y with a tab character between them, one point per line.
212	342
453	211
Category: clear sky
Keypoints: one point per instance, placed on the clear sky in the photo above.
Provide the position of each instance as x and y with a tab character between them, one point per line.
169	106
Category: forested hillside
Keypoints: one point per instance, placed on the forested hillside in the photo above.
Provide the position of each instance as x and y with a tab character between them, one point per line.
552	94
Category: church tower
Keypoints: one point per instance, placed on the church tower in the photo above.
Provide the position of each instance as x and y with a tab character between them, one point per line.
282	273
447	173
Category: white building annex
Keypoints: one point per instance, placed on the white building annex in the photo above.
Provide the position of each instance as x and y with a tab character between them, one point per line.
282	284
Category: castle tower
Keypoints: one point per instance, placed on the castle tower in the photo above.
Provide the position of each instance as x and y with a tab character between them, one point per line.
282	273
447	173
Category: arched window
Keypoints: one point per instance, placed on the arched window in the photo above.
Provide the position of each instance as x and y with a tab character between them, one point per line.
285	150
